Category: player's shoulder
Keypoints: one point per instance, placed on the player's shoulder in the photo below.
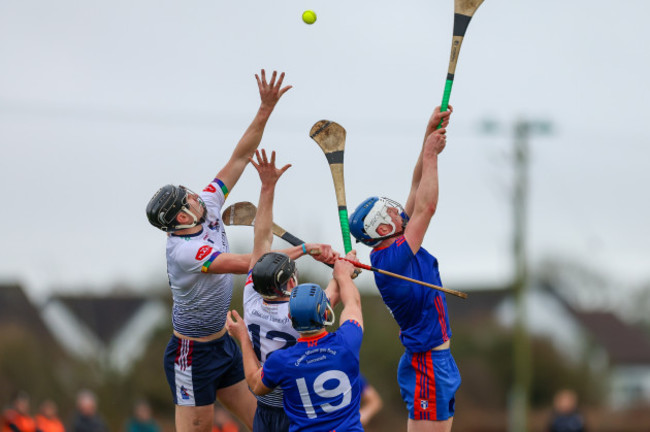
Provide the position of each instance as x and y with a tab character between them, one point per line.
350	329
189	250
282	357
215	193
350	323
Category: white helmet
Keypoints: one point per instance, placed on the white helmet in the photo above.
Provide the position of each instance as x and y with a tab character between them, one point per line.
378	215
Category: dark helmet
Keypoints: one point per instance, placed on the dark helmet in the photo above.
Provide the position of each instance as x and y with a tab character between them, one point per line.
271	274
309	308
166	204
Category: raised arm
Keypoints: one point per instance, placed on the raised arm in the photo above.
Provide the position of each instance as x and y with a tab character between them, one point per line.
433	123
270	94
426	196
332	292
269	176
252	370
348	292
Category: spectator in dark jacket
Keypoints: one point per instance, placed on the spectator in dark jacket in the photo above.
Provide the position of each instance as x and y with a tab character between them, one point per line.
142	420
87	419
566	417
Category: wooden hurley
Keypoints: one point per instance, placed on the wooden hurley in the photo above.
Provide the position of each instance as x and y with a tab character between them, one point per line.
463	12
330	137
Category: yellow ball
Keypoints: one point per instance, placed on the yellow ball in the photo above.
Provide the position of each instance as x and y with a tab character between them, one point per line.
309	16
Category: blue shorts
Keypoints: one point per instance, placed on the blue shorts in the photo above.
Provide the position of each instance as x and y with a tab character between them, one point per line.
196	370
270	419
428	382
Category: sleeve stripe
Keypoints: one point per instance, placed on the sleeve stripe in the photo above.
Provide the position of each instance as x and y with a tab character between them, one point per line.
223	187
206	264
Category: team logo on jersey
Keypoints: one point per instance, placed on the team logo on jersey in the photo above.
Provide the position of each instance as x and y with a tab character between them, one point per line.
424	404
213	225
184	393
203	252
210	188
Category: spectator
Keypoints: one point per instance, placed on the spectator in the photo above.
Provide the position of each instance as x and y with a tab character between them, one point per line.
17	418
223	422
87	419
566	417
371	401
47	419
142	420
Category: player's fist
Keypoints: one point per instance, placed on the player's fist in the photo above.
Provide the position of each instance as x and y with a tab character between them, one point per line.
439	118
344	268
436	141
236	325
322	252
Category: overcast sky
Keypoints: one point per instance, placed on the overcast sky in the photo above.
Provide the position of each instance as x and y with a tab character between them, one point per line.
101	103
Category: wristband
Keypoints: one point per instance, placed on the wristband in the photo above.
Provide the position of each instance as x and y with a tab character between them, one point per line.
304	249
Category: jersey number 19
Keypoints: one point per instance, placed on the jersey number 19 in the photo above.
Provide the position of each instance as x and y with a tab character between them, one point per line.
342	388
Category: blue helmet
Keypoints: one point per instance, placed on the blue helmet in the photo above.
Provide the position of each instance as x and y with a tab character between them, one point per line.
309	308
367	217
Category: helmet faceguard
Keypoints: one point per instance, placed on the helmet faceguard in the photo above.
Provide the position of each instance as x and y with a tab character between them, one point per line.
168	202
309	308
272	273
372	213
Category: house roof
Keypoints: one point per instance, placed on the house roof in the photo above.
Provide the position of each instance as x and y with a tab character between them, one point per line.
625	344
480	304
105	315
17	310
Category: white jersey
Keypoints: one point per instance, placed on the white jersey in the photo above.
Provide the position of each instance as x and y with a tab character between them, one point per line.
270	329
201	299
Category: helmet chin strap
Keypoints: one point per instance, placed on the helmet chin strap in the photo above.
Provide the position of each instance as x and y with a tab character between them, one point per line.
195	221
331	314
396	234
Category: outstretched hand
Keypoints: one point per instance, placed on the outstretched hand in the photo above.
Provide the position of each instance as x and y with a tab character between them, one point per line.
322	252
343	268
271	92
236	329
437	117
436	141
269	174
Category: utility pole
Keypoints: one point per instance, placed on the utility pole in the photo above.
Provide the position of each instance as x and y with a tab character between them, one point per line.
519	397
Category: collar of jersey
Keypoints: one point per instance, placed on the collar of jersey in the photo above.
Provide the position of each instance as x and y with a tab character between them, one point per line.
313	338
198	233
384	247
275	301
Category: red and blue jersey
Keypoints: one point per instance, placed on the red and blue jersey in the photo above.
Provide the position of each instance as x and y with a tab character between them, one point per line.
420	311
320	379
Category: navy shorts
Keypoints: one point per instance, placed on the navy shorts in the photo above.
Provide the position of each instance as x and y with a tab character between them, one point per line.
270	419
196	370
428	382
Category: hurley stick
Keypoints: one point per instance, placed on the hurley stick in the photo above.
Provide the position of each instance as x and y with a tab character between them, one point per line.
398	276
463	12
330	137
243	213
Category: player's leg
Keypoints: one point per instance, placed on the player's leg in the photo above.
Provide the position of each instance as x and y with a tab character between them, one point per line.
428	383
232	391
239	400
270	419
191	375
429	425
194	418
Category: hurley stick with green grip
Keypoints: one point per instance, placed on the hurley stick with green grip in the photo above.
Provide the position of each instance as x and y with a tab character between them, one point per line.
463	12
330	137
